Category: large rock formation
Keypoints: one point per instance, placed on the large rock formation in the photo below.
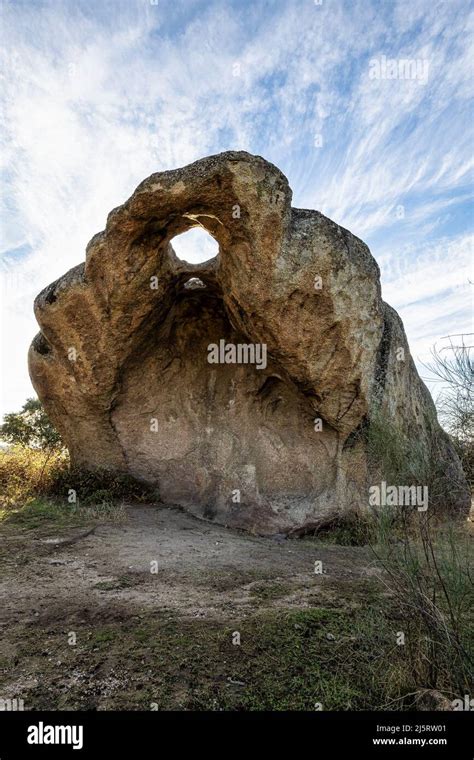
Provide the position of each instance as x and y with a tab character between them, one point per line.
129	367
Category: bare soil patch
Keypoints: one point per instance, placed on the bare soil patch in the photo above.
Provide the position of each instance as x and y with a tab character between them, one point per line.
142	614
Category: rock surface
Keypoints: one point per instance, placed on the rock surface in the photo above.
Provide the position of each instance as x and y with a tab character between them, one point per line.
278	446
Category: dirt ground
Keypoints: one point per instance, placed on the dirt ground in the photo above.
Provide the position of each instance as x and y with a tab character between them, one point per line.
147	613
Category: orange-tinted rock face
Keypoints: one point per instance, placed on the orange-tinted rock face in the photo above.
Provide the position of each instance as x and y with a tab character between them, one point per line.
246	400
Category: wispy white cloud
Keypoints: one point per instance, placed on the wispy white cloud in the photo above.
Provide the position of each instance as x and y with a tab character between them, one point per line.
433	292
100	95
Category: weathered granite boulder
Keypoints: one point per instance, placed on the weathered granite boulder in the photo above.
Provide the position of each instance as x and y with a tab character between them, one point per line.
265	389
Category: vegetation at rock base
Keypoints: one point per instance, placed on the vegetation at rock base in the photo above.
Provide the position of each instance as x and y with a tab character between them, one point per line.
28	474
36	464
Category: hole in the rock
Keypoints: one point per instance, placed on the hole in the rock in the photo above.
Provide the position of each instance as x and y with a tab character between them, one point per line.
194	284
41	345
195	246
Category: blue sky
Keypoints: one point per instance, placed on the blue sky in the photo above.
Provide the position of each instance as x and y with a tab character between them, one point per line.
98	95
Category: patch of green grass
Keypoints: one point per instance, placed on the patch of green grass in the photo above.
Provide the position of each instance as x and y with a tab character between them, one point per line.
103	636
286	660
123	581
270	590
37	513
107	585
104	510
228	579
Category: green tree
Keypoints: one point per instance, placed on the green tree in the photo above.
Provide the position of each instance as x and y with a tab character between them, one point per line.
30	427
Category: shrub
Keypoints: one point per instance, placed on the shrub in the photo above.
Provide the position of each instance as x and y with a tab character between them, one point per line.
100	486
428	573
393	458
349	529
28	473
